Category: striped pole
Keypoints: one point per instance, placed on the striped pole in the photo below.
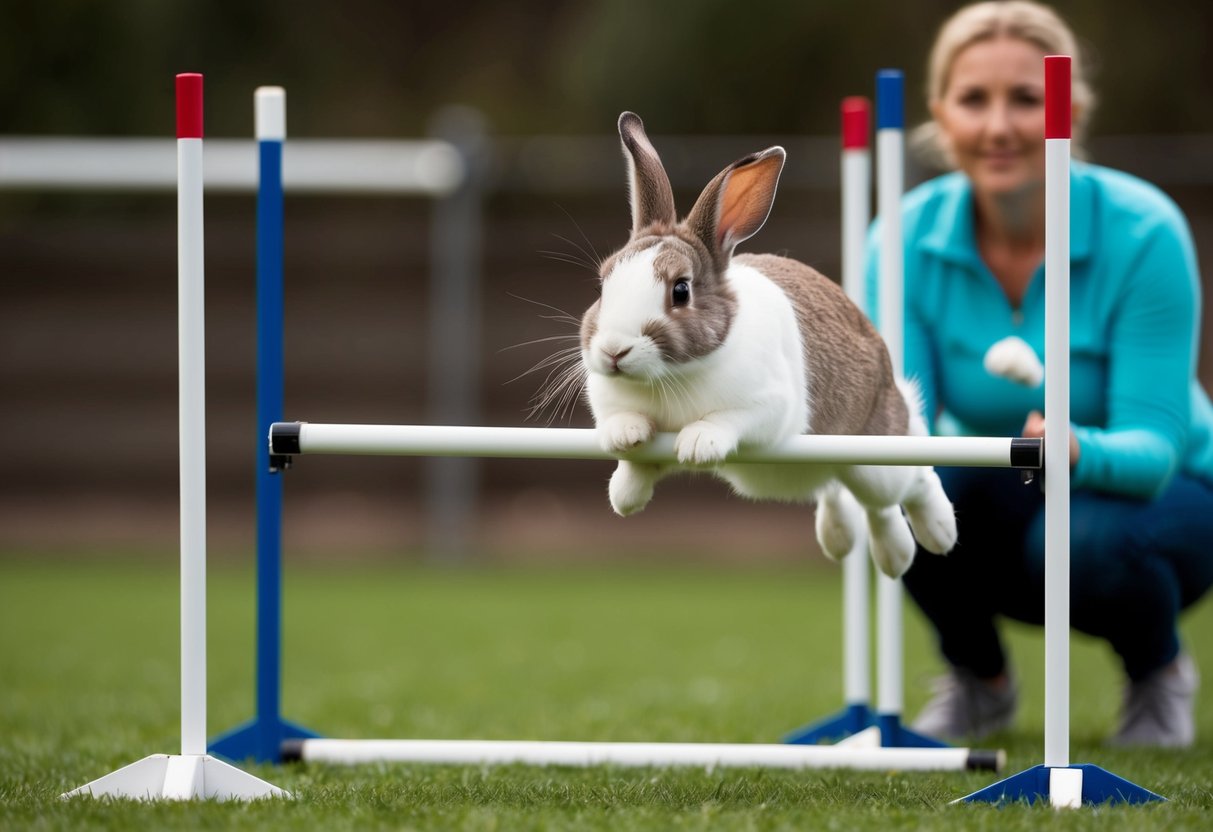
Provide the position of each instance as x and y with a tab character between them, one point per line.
1062	784
261	738
192	416
890	183
270	125
1065	788
856	573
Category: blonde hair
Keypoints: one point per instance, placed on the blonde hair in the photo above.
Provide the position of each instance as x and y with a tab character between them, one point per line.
1024	20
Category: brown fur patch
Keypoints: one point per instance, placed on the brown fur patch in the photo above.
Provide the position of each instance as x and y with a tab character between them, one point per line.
589	324
851	385
652	197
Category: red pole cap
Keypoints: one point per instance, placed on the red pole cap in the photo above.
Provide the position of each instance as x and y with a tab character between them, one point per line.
1057	97
856	122
189	105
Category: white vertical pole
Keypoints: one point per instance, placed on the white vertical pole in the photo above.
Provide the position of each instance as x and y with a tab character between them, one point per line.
857	672
192	774
890	182
1057	411
192	416
856	213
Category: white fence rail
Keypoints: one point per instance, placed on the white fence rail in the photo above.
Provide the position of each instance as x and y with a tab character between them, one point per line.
320	166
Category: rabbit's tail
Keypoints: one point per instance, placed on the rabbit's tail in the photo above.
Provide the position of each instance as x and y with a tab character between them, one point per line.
914	406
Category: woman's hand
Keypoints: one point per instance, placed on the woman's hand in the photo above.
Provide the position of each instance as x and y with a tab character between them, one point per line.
1034	428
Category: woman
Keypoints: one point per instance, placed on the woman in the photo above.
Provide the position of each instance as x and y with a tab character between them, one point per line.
1142	461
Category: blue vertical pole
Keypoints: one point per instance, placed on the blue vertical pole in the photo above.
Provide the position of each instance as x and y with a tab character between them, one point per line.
262	737
269	410
890	315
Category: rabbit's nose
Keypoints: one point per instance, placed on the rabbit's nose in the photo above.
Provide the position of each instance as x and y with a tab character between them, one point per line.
614	357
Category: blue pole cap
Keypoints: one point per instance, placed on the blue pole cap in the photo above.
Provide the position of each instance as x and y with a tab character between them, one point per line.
890	100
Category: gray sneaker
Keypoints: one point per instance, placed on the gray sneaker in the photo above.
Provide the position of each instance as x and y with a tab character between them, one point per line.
1159	711
964	706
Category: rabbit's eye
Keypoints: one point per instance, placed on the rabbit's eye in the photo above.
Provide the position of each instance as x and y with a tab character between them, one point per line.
681	293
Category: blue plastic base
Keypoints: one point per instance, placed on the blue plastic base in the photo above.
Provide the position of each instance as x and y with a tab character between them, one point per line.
1098	786
258	740
895	735
850	720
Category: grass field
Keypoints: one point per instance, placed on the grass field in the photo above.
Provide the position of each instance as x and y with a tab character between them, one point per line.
89	682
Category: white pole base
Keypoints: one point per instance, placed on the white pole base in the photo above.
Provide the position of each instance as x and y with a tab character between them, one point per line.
1065	788
179	777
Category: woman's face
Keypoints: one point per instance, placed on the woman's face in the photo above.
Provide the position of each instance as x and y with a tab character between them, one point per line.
992	115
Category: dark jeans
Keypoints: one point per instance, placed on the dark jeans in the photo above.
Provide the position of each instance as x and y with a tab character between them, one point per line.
1134	565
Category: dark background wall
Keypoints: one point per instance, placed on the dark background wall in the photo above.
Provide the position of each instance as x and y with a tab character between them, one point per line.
88	281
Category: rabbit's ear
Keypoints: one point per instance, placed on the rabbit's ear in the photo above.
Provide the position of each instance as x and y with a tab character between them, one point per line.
737	202
650	193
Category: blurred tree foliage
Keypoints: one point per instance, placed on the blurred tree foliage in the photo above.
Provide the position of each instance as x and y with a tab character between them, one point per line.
381	67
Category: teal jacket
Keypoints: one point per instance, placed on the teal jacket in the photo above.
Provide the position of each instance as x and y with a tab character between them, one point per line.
1139	413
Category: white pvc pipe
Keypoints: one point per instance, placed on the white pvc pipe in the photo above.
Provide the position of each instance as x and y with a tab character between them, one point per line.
889	648
192	423
582	443
331	166
856	635
710	755
856	214
1057	451
890	182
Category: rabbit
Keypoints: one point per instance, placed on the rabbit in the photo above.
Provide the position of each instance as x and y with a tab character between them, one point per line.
747	350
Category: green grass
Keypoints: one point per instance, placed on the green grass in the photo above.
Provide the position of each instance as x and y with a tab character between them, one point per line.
89	682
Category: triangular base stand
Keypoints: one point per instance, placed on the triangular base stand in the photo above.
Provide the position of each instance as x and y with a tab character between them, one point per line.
259	740
1063	787
895	735
867	738
179	777
850	720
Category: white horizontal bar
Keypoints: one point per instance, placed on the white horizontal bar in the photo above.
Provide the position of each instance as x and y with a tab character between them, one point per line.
425	167
661	755
582	443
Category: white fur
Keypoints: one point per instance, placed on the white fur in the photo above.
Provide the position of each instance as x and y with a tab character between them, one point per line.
1012	359
750	390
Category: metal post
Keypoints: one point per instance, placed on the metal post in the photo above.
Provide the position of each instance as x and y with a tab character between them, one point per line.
453	388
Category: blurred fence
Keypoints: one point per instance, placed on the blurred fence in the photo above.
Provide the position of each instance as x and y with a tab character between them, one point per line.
397	310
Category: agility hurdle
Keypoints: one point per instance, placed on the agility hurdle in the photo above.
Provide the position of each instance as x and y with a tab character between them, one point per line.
290	439
1062	784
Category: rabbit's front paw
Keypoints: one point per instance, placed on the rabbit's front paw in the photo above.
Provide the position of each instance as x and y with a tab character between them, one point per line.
704	443
623	432
631	487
